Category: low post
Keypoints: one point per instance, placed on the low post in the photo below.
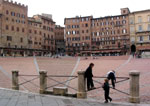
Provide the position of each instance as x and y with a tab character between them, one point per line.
15	85
43	81
134	87
81	85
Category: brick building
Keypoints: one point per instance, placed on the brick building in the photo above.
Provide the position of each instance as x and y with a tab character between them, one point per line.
48	34
78	35
23	35
13	36
35	39
105	35
59	39
41	34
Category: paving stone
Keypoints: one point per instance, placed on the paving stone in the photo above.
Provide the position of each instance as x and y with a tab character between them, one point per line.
65	66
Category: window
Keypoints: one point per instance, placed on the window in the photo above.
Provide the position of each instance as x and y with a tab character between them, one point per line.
140	28
112	32
149	18
132	39
73	32
35	32
132	29
82	31
8	44
30	31
7	27
12	28
107	32
87	19
68	26
12	14
82	19
18	15
148	37
148	27
131	20
17	29
18	21
7	18
118	31
40	33
9	38
117	22
141	38
124	31
139	19
68	33
97	33
124	22
107	22
102	33
12	20
86	25
23	16
7	12
22	29
87	31
21	40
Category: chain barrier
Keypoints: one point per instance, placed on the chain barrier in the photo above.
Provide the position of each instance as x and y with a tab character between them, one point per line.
51	77
29	81
123	79
61	83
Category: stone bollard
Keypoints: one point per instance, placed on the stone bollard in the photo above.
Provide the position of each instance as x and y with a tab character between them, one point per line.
15	84
43	81
81	85
134	87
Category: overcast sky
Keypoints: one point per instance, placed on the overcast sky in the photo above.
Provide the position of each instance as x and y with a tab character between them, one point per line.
61	9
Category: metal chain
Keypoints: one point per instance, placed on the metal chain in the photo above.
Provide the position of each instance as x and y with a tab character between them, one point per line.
62	83
26	81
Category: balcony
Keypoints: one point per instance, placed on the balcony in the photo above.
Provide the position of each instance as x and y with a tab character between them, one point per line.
139	32
143	42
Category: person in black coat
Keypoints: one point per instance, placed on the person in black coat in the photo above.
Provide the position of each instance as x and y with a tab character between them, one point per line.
106	91
89	75
111	76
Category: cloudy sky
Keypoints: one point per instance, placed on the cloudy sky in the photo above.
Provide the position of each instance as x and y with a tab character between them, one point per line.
61	9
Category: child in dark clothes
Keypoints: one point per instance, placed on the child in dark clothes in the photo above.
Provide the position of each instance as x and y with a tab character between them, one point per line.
106	91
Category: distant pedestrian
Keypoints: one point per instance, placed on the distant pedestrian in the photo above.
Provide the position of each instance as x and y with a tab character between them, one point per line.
89	75
111	76
106	91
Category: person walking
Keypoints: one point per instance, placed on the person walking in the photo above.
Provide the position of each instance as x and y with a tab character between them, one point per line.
88	76
111	76
106	90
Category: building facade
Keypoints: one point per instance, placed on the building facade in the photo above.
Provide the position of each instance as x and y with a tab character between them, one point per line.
35	39
105	35
41	37
22	35
48	34
78	35
139	22
13	36
59	40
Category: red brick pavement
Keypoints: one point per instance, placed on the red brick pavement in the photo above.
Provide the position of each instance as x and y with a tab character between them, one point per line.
65	66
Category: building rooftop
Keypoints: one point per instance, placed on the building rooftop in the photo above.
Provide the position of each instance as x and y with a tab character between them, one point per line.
147	10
